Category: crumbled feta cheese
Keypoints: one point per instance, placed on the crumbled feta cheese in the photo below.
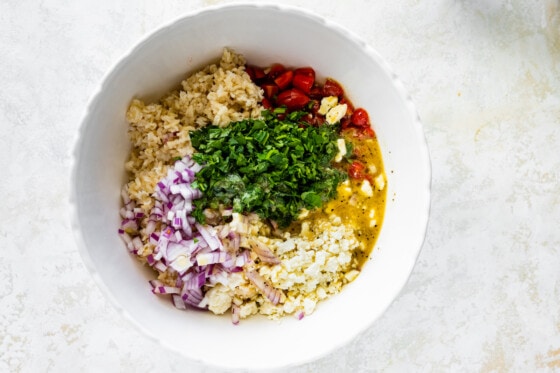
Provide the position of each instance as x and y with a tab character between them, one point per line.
303	214
341	143
379	182
305	232
366	189
313	270
332	264
309	306
219	299
321	293
351	276
285	246
344	258
248	309
313	267
320	257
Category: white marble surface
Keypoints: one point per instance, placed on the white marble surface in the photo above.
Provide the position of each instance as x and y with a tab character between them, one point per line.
485	294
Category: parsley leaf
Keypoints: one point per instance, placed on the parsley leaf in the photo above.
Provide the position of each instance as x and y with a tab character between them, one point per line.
271	166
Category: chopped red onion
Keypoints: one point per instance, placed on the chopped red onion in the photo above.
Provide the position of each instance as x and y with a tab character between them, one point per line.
193	297
211	239
263	252
160	266
240	260
150	227
137	242
235	314
155	283
129	225
154	238
180	244
178	302
213	257
195	281
274	295
166	290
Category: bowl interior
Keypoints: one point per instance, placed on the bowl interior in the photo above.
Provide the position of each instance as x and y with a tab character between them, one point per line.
263	34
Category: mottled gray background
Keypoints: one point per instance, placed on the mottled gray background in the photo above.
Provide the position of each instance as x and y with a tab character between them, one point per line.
485	294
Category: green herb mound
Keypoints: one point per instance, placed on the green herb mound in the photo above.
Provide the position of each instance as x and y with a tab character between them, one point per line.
270	166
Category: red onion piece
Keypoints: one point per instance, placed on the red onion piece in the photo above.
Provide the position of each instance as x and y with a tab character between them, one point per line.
160	266
274	295
210	238
166	290
178	302
193	297
213	257
263	252
235	314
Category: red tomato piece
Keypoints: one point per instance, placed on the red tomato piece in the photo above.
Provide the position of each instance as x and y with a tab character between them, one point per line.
303	82
304	78
360	118
284	79
255	72
332	88
308	71
308	119
349	107
357	170
293	99
314	106
316	92
345	123
266	103
368	132
250	71
270	90
275	70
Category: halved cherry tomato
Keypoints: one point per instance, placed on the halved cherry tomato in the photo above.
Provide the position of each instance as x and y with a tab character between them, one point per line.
293	99
284	79
270	90
266	103
316	92
345	123
360	118
256	73
308	71
250	71
304	78
332	88
308	118
368	132
275	70
357	170
303	82
314	106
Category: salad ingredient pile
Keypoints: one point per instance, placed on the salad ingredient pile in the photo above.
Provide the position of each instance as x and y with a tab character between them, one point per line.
252	190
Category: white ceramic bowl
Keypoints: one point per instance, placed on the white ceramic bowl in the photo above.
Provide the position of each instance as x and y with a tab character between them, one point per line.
263	34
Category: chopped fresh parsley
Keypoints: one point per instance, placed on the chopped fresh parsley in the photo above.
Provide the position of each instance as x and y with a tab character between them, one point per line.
270	166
